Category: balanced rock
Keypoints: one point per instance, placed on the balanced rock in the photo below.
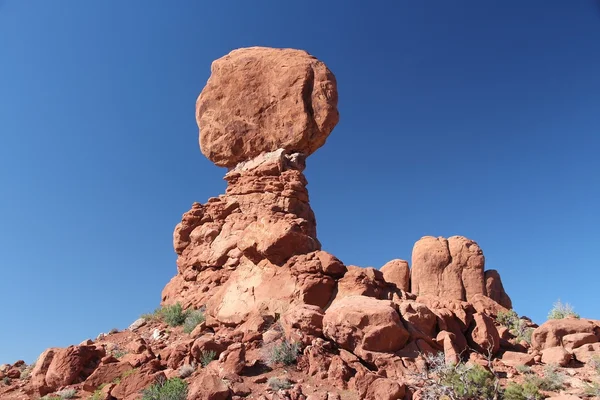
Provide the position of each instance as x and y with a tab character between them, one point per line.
258	100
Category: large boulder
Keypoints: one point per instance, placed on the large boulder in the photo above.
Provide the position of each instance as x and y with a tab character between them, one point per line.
261	99
361	324
451	268
73	364
495	289
397	272
551	332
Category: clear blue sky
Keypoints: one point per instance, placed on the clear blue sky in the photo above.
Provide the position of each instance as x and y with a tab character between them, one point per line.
473	118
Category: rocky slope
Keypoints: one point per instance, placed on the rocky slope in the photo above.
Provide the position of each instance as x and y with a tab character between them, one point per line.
251	262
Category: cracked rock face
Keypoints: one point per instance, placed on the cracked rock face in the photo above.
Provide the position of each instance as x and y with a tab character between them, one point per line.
261	99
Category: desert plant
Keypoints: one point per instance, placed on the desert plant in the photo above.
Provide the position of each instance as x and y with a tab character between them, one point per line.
6	380
560	311
279	383
595	363
207	356
523	369
113	331
118	352
553	380
516	326
193	319
186	370
66	393
173	315
153	316
528	390
592	390
285	353
171	389
128	372
456	381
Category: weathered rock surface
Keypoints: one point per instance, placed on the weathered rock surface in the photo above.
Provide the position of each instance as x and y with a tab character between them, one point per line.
258	100
398	273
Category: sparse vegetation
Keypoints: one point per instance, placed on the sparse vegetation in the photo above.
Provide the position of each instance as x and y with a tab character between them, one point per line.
118	352
171	389
193	319
553	379
595	363
66	393
173	315
528	390
97	395
560	311
186	370
279	383
6	380
113	331
460	381
207	357
285	353
516	326
128	372
523	369
592	390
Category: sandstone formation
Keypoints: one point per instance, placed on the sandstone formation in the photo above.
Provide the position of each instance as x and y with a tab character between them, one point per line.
258	100
250	260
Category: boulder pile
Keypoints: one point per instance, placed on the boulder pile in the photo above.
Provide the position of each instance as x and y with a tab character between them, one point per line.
250	259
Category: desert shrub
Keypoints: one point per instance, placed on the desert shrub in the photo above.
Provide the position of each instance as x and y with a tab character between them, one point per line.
6	380
595	363
153	316
592	390
173	315
516	326
460	381
193	319
207	356
560	311
118	352
285	353
552	380
186	370
528	390
171	389
523	369
113	331
66	393
128	372
279	383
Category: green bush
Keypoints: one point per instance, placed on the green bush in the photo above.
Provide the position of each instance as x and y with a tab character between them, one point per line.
285	353
173	315
560	311
516	326
6	380
172	389
592	390
528	390
553	380
207	357
66	393
461	382
279	383
193	319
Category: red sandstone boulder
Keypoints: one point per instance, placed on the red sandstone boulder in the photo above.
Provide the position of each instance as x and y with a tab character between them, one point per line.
262	99
360	323
362	282
398	273
418	316
451	268
385	389
105	374
303	323
576	340
72	365
206	386
495	290
551	333
587	352
484	335
515	359
556	356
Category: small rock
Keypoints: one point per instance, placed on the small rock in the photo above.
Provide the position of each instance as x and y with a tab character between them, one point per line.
138	323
